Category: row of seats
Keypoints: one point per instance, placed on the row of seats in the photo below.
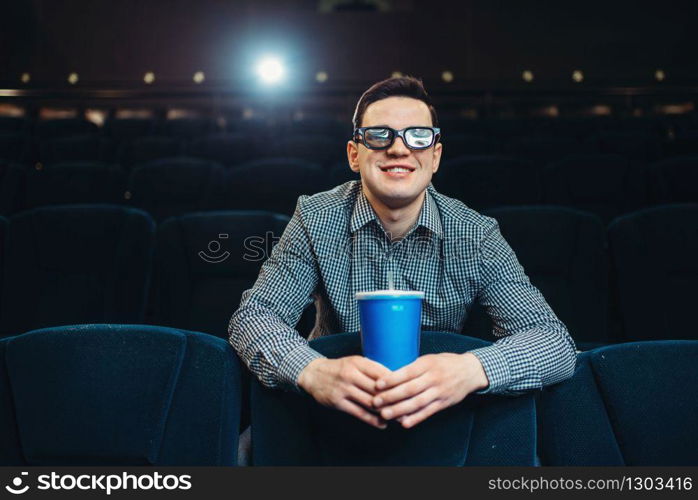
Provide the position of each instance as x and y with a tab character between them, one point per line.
143	395
134	141
95	263
606	185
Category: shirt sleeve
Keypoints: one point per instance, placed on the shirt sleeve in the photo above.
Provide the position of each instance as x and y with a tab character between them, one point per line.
262	329
535	349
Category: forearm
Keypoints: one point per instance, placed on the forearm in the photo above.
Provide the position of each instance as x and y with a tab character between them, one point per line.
530	359
273	351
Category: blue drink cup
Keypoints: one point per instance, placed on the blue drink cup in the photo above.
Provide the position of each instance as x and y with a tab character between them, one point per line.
390	326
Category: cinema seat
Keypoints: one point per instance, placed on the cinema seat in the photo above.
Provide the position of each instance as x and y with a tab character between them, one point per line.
204	263
562	251
75	182
543	149
64	127
75	264
339	173
13	124
489	181
639	147
12	184
118	395
456	145
175	186
273	184
606	185
292	429
675	180
188	128
121	129
145	149
654	262
13	147
315	148
632	404
226	149
90	147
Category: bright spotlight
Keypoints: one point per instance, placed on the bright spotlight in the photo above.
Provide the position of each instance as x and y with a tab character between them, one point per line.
270	70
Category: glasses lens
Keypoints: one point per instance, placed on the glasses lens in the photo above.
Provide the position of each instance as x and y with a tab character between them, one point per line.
419	138
378	137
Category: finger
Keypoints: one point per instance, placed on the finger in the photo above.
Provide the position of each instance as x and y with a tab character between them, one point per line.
410	405
421	415
361	413
364	398
371	368
364	382
413	370
402	391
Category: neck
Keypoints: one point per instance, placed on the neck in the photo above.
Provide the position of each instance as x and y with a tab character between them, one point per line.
397	220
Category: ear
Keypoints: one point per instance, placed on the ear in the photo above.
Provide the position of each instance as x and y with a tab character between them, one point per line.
353	156
436	159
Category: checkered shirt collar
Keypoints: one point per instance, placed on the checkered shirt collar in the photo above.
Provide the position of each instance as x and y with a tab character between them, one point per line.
428	216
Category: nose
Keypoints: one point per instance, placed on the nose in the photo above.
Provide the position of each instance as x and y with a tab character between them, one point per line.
398	148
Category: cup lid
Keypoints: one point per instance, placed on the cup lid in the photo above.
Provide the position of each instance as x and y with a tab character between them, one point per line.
389	294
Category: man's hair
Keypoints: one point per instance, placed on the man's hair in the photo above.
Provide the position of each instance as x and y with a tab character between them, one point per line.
402	86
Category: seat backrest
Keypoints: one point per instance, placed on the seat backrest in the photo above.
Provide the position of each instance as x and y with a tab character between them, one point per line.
273	184
292	429
563	253
118	395
204	263
225	148
606	185
654	261
675	180
12	186
489	181
75	264
75	182
175	186
148	148
629	404
64	127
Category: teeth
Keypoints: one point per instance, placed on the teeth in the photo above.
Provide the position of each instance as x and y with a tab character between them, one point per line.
398	169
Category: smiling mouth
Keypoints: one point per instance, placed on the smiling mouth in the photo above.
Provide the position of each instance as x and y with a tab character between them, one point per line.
397	169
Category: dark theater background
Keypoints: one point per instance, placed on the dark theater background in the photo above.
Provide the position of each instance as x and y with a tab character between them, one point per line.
143	143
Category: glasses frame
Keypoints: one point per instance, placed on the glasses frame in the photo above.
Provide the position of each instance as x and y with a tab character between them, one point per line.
359	136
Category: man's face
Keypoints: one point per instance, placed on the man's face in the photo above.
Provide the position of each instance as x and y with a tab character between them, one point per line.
395	189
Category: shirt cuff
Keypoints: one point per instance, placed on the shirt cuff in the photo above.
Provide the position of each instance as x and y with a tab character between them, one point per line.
293	364
496	367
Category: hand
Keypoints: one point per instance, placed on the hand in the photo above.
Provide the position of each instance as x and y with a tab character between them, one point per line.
347	384
428	385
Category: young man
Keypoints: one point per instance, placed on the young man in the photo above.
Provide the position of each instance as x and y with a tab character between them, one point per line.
344	241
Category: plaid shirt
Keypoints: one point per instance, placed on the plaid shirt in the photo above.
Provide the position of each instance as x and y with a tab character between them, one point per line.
335	246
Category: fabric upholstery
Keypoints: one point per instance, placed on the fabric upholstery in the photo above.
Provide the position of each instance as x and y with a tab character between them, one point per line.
175	186
75	264
149	148
75	182
606	185
675	180
654	257
629	404
292	429
273	184
199	289
226	149
489	181
563	253
118	395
